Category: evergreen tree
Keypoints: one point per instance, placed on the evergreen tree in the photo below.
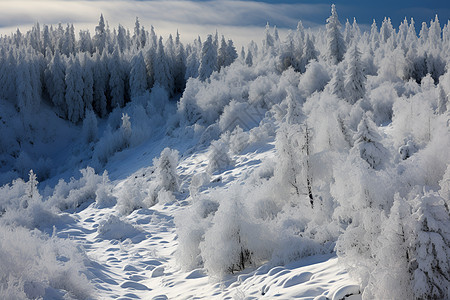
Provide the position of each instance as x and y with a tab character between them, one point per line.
55	83
335	43
88	82
355	79
74	91
249	58
100	73
208	63
116	81
337	83
161	69
180	65
431	263
309	53
386	30
100	35
138	75
367	144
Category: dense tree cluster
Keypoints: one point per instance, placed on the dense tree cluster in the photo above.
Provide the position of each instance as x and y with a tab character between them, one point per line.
101	72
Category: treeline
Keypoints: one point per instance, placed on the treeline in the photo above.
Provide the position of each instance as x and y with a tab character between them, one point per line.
101	72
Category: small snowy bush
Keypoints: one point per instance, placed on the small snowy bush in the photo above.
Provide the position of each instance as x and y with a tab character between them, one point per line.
35	266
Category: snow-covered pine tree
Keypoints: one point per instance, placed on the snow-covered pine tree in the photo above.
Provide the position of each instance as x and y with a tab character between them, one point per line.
55	83
208	63
74	90
85	43
7	75
116	80
136	40
24	89
309	53
249	58
355	80
335	42
166	170
100	35
386	30
100	73
88	82
222	54
180	65
367	144
431	263
161	69
138	75
337	83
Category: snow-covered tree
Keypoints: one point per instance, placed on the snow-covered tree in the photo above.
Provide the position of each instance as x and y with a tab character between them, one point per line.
355	79
208	62
166	170
74	91
335	42
100	35
430	265
116	81
368	145
138	76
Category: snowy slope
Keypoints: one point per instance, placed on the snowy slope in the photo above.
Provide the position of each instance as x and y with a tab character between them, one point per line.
133	257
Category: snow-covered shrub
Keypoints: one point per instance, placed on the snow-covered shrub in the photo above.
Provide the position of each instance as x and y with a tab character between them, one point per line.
382	100
314	79
112	142
116	228
133	195
218	157
191	226
74	193
21	204
103	195
90	129
35	266
197	181
166	170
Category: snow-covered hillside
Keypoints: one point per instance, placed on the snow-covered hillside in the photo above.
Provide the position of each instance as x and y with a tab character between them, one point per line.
311	166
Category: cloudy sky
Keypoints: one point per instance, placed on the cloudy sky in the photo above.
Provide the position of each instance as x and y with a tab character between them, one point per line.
240	20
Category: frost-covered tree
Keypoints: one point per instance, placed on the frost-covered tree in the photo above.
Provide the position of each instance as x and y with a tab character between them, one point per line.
335	42
74	91
161	69
100	35
100	73
166	170
386	30
90	129
55	83
431	263
337	83
249	58
138	76
85	43
368	145
355	80
208	62
88	82
26	103
7	76
309	53
116	81
179	65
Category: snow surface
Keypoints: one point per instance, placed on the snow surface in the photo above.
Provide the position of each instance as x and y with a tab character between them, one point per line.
133	256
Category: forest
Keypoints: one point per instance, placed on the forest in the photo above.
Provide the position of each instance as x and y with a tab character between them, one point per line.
329	140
